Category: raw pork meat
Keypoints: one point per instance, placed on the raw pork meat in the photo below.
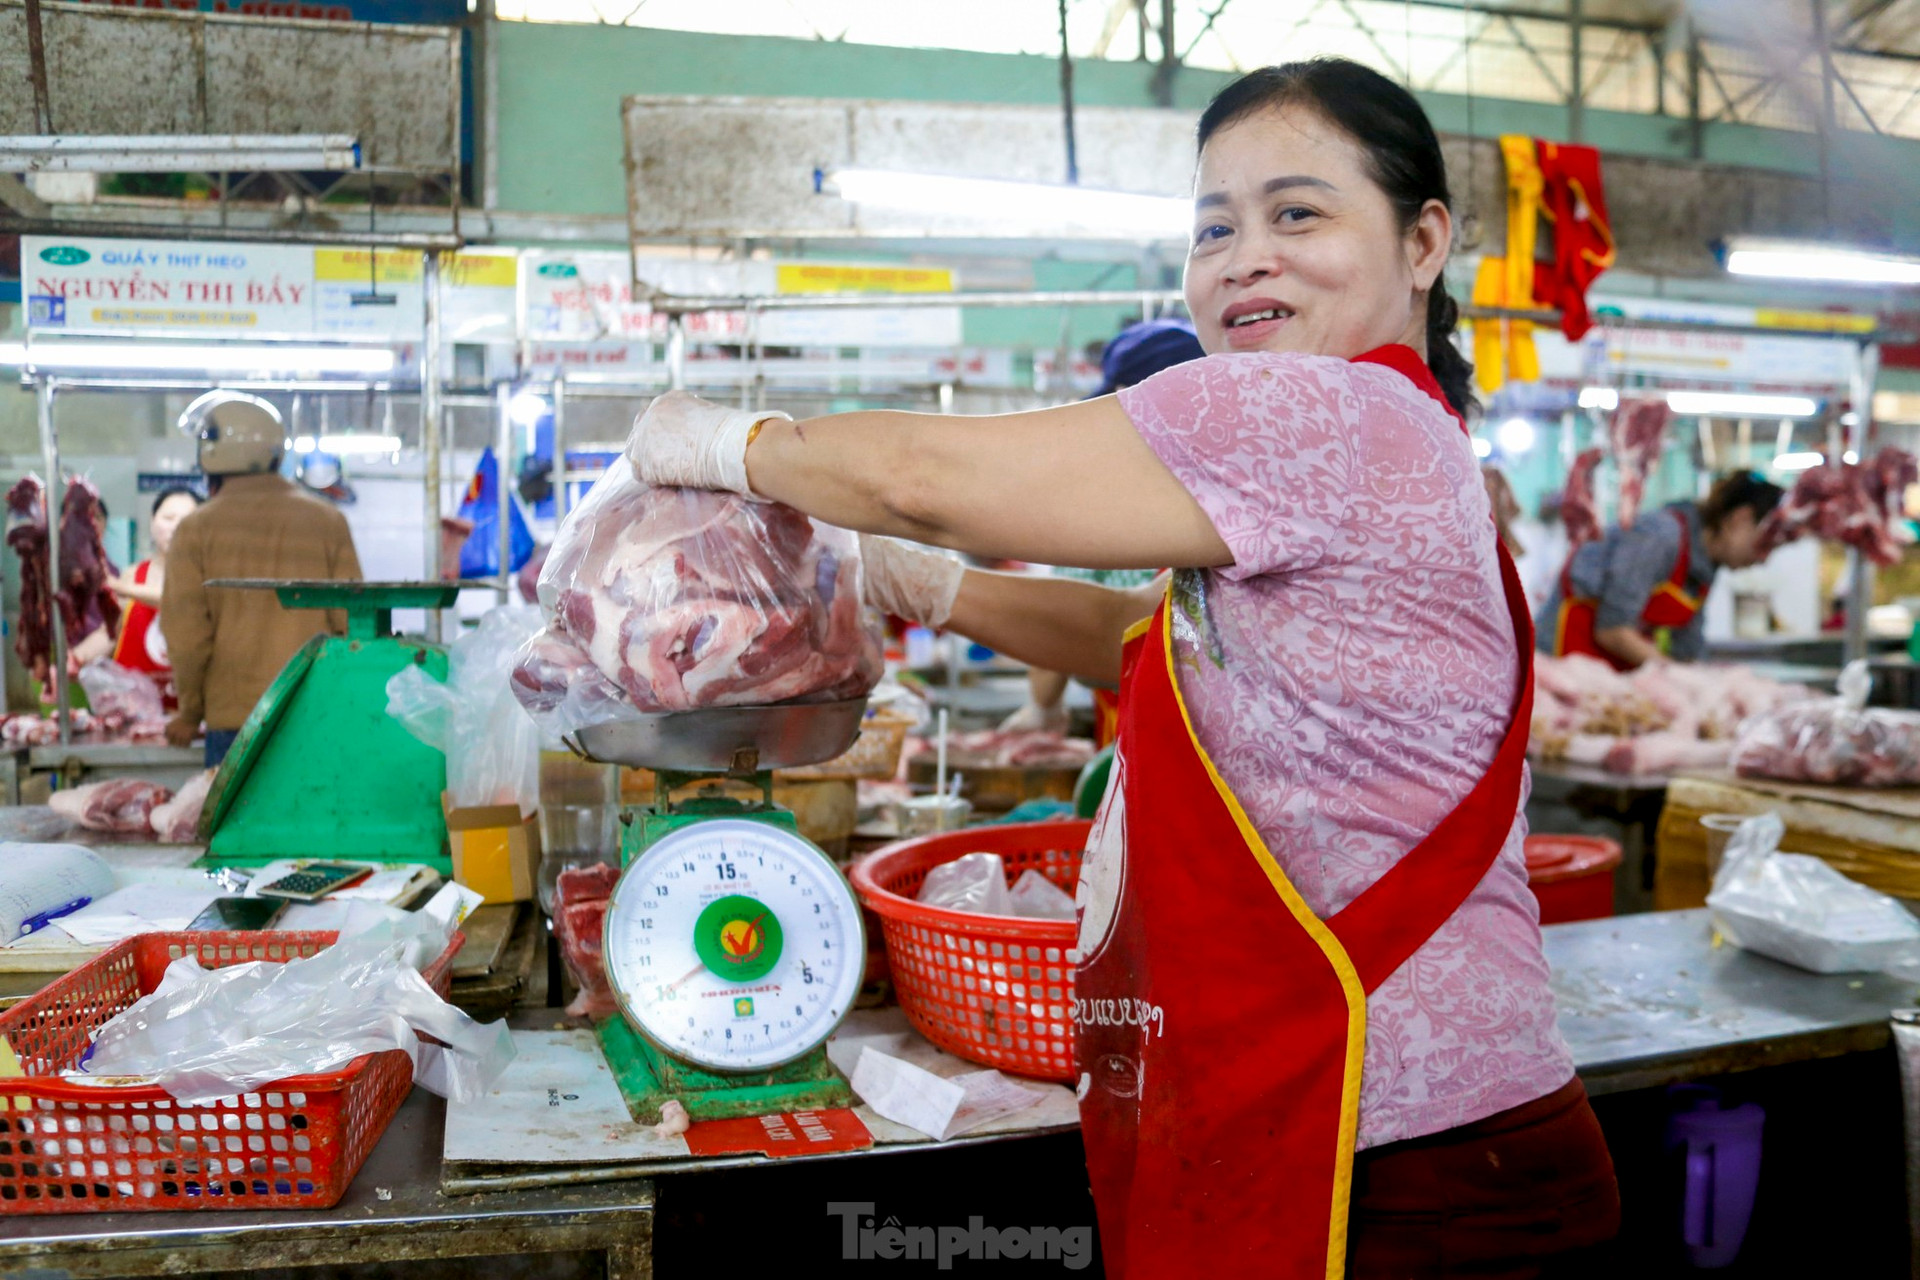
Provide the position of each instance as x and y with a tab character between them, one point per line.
124	702
121	805
43	731
681	599
1835	741
1662	717
580	902
1853	505
1578	510
177	821
85	604
1637	431
1015	749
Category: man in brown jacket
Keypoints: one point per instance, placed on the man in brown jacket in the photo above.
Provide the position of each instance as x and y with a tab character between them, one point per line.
229	643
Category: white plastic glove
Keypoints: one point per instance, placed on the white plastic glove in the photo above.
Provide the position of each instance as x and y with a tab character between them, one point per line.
908	580
1034	718
682	440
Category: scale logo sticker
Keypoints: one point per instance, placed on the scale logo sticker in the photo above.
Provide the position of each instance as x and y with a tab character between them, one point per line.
64	255
738	939
743	1007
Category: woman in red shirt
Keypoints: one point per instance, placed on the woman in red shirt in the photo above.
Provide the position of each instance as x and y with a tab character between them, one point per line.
140	645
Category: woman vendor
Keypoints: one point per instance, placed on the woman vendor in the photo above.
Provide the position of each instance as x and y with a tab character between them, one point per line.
1306	930
1636	594
139	644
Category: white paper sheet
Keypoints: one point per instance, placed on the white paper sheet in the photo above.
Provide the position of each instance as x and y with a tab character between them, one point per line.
39	878
939	1107
139	908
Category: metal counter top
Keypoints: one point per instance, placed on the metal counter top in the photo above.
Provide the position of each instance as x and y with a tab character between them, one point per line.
393	1212
1648	1000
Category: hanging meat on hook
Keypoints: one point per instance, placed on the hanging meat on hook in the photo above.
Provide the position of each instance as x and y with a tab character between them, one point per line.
1854	505
1638	432
1578	510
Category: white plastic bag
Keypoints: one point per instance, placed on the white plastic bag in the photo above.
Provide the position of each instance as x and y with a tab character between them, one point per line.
661	599
1037	898
492	749
975	882
205	1034
1833	740
1800	910
123	700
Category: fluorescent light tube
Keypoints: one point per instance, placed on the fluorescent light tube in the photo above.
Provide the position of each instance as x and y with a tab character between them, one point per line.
1026	203
1726	404
346	443
1599	398
67	357
177	153
1798	461
1792	260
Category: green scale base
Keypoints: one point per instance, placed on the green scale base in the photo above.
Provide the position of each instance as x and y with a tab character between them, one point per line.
648	1077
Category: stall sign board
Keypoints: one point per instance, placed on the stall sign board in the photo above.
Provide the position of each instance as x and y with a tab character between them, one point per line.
201	289
1611	351
591	296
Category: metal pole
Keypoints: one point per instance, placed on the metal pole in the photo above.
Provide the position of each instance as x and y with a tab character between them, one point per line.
1825	131
559	473
1169	58
1066	99
44	391
503	496
1576	79
430	411
1696	134
1866	369
676	352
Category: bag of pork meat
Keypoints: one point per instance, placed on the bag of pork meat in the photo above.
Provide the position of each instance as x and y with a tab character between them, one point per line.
678	599
1838	741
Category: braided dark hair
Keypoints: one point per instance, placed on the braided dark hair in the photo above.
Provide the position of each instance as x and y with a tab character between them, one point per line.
1403	153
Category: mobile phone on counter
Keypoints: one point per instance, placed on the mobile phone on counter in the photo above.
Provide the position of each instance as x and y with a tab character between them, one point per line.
315	881
247	915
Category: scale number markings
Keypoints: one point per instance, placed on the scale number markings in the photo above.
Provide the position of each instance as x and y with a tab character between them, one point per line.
720	929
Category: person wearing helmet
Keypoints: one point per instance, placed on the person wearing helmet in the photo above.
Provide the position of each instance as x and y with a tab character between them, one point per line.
228	644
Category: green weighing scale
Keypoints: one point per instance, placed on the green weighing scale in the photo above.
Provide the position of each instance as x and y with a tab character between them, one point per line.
733	945
319	768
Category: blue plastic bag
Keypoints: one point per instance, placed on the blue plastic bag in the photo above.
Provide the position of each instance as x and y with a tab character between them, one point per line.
480	553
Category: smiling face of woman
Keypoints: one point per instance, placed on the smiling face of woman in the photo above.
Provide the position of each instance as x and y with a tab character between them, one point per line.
1297	249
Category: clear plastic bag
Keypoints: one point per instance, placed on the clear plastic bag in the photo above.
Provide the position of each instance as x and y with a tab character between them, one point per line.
676	599
1798	909
33	824
212	1033
124	701
975	882
492	750
1833	740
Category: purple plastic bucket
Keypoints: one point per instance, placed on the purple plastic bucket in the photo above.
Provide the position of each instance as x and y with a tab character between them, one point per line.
1719	1151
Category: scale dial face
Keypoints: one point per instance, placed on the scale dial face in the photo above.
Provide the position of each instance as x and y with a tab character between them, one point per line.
734	945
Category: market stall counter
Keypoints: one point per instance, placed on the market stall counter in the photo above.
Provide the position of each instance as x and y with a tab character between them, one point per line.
1577	799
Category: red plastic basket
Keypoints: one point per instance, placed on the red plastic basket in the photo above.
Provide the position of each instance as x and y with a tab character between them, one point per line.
990	989
67	1147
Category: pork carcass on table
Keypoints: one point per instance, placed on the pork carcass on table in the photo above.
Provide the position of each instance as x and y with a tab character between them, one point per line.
123	806
681	599
1638	431
1663	717
177	821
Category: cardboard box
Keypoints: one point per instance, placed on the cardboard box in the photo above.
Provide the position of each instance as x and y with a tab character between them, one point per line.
496	852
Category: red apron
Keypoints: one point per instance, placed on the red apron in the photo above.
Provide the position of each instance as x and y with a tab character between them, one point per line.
131	649
1207	985
1670	607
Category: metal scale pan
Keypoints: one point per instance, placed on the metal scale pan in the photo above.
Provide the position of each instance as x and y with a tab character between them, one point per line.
729	740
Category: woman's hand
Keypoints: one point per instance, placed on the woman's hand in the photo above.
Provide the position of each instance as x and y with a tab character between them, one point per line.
684	441
908	581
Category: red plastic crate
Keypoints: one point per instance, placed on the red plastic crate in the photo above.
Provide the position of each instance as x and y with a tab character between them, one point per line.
990	989
67	1147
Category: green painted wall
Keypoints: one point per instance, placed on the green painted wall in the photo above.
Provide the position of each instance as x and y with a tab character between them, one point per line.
560	87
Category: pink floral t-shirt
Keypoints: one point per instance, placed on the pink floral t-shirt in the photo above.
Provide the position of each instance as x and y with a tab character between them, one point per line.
1351	676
